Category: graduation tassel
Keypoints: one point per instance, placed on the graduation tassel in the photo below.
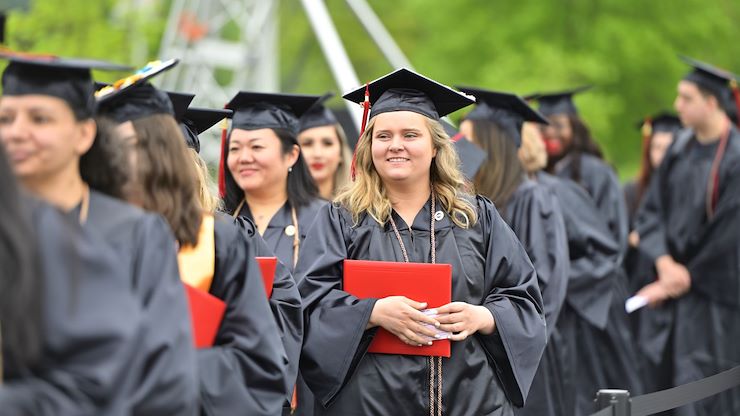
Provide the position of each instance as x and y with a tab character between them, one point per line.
736	93
365	113
222	160
713	188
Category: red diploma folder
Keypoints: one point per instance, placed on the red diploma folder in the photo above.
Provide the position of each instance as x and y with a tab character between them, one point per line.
422	282
267	267
206	313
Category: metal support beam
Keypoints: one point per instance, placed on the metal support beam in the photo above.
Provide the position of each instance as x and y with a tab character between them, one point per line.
334	51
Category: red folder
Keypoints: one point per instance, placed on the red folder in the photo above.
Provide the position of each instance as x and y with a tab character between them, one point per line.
422	282
267	267
206	313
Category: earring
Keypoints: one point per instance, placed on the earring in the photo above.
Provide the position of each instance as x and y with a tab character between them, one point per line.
290	169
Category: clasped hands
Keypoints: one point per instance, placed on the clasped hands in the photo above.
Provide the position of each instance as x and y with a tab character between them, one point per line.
404	318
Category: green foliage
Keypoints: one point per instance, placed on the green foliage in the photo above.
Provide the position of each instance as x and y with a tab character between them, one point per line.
625	48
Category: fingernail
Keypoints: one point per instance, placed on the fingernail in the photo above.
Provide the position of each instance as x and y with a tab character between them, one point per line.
436	324
437	336
429	343
423	304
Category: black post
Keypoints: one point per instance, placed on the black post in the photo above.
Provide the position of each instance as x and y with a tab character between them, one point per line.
620	399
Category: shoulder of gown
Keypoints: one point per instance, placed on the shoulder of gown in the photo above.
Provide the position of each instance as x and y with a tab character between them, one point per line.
89	321
244	372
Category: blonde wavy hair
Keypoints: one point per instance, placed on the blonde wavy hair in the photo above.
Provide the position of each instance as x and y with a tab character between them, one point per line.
367	193
209	202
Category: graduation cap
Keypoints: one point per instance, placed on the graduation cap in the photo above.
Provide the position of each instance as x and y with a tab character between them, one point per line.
660	122
509	111
719	82
406	90
69	79
253	110
715	80
318	115
135	97
197	120
557	102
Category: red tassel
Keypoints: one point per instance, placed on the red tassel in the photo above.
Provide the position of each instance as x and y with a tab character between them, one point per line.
456	137
365	113
713	197
736	94
222	162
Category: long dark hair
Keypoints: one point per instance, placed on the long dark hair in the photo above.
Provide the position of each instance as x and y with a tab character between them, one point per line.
105	165
165	176
502	173
582	143
301	187
20	283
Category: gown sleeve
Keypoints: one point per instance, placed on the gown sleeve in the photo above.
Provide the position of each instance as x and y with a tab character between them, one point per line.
89	320
537	221
163	378
649	223
609	199
335	338
594	254
285	304
244	372
516	345
714	263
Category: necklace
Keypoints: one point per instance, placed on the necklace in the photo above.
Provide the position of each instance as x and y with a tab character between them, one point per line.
435	363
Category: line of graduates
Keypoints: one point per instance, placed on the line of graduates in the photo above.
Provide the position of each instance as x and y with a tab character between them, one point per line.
110	209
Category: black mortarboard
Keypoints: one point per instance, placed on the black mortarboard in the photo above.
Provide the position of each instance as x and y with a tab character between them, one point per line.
471	156
180	103
405	90
134	97
557	102
254	110
508	111
69	79
318	115
197	120
715	80
661	122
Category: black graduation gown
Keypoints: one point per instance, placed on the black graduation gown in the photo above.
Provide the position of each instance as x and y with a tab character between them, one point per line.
277	241
593	323
244	373
485	375
285	303
602	184
162	375
699	331
534	214
281	245
89	319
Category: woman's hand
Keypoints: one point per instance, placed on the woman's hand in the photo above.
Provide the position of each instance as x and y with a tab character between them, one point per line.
673	276
655	294
463	320
403	318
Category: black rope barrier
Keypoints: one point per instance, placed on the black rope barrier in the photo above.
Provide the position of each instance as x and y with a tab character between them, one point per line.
660	401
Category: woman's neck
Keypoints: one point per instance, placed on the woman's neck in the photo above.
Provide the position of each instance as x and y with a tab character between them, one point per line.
63	190
326	188
712	129
407	200
264	205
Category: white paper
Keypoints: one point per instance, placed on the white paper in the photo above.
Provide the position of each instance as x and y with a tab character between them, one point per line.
634	303
440	334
